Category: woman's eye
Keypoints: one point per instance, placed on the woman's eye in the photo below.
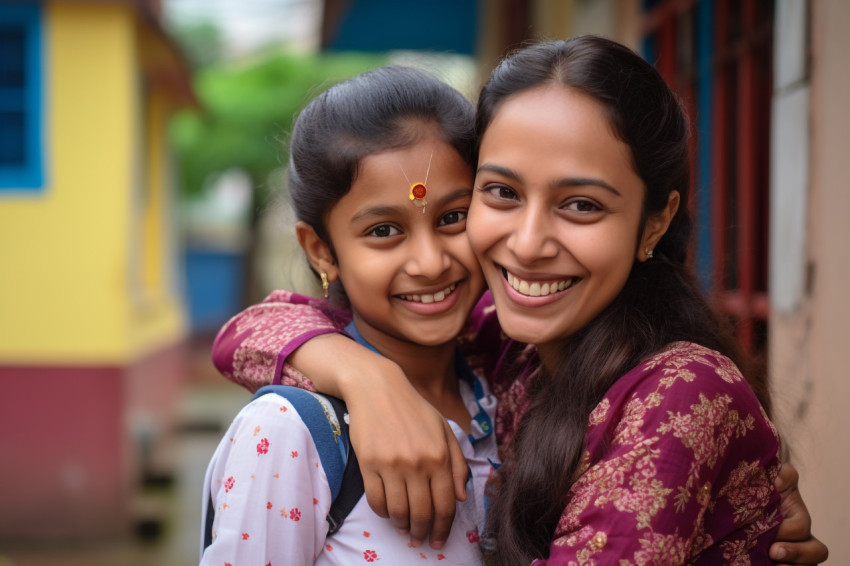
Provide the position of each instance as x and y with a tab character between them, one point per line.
504	192
500	192
583	206
383	231
452	217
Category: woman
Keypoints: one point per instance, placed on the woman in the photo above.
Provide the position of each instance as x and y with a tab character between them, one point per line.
577	222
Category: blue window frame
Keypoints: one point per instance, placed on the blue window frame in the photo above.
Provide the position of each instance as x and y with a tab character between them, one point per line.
21	159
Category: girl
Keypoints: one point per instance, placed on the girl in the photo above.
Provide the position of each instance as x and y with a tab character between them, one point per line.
629	432
380	177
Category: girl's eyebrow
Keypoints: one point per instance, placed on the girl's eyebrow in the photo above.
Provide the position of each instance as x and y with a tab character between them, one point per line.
457	194
379	211
565	182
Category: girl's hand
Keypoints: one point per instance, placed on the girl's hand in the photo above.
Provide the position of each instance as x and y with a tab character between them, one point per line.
794	541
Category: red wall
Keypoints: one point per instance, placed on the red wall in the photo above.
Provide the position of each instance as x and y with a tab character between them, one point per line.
69	460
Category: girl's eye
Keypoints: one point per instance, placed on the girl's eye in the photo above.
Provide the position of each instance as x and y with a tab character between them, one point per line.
452	217
383	231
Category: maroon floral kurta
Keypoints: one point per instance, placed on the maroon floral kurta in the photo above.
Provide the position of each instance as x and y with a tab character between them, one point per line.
679	459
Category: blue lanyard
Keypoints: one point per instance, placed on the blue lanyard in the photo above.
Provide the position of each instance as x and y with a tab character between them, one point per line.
464	372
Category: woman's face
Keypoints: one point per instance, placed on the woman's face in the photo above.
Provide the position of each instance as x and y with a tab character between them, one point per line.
408	271
556	213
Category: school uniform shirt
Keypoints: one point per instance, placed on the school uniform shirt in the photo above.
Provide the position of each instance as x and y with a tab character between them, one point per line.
270	495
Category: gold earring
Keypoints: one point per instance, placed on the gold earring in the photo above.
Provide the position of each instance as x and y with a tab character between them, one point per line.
324	277
649	253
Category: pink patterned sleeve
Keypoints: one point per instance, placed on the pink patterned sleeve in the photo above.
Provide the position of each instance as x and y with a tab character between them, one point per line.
252	347
679	468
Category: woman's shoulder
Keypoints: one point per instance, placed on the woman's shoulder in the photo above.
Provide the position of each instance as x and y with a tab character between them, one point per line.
687	378
686	365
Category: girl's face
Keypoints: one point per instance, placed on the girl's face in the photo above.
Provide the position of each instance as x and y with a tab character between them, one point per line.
556	216
410	274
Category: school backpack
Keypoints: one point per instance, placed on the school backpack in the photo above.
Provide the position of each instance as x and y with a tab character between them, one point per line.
334	447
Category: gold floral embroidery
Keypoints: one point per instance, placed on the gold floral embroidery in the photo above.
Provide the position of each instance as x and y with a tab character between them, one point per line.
624	469
659	549
599	413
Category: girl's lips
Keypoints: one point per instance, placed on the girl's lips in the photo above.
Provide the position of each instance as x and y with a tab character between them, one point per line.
431	303
428	298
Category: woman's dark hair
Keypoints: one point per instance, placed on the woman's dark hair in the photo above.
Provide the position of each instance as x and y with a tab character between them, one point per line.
378	110
659	304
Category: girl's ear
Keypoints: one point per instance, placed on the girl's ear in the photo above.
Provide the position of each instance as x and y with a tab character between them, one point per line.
318	251
656	227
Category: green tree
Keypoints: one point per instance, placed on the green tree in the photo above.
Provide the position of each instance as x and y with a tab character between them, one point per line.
247	110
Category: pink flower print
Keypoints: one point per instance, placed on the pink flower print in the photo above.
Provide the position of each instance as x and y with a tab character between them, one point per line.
367	534
245	536
228	484
263	446
473	536
268	505
295	453
295	514
315	501
283	409
441	557
228	564
370	555
329	547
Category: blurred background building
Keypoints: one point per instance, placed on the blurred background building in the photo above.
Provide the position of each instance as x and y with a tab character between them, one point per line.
142	203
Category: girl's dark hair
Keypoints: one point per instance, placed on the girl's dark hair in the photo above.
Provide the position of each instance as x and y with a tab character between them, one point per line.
659	304
376	111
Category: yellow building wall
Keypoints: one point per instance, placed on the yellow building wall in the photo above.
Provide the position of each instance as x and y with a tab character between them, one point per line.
66	291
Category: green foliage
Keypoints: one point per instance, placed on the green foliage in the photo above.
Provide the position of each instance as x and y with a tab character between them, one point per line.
247	111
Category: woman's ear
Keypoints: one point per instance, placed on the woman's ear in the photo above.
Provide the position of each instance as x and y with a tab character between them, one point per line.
656	227
317	250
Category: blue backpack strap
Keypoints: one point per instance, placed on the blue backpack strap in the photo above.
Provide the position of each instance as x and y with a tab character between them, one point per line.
324	431
333	444
334	447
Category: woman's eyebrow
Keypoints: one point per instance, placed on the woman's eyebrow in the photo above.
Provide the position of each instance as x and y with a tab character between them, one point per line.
565	182
499	170
585	182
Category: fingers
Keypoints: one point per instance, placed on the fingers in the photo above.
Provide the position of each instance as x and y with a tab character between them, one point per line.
787	478
811	551
460	469
794	541
373	487
421	509
796	523
448	485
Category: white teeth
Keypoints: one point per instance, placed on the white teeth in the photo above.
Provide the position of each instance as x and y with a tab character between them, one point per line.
535	288
431	298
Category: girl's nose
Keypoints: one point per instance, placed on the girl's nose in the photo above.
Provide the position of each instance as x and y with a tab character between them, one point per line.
429	258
